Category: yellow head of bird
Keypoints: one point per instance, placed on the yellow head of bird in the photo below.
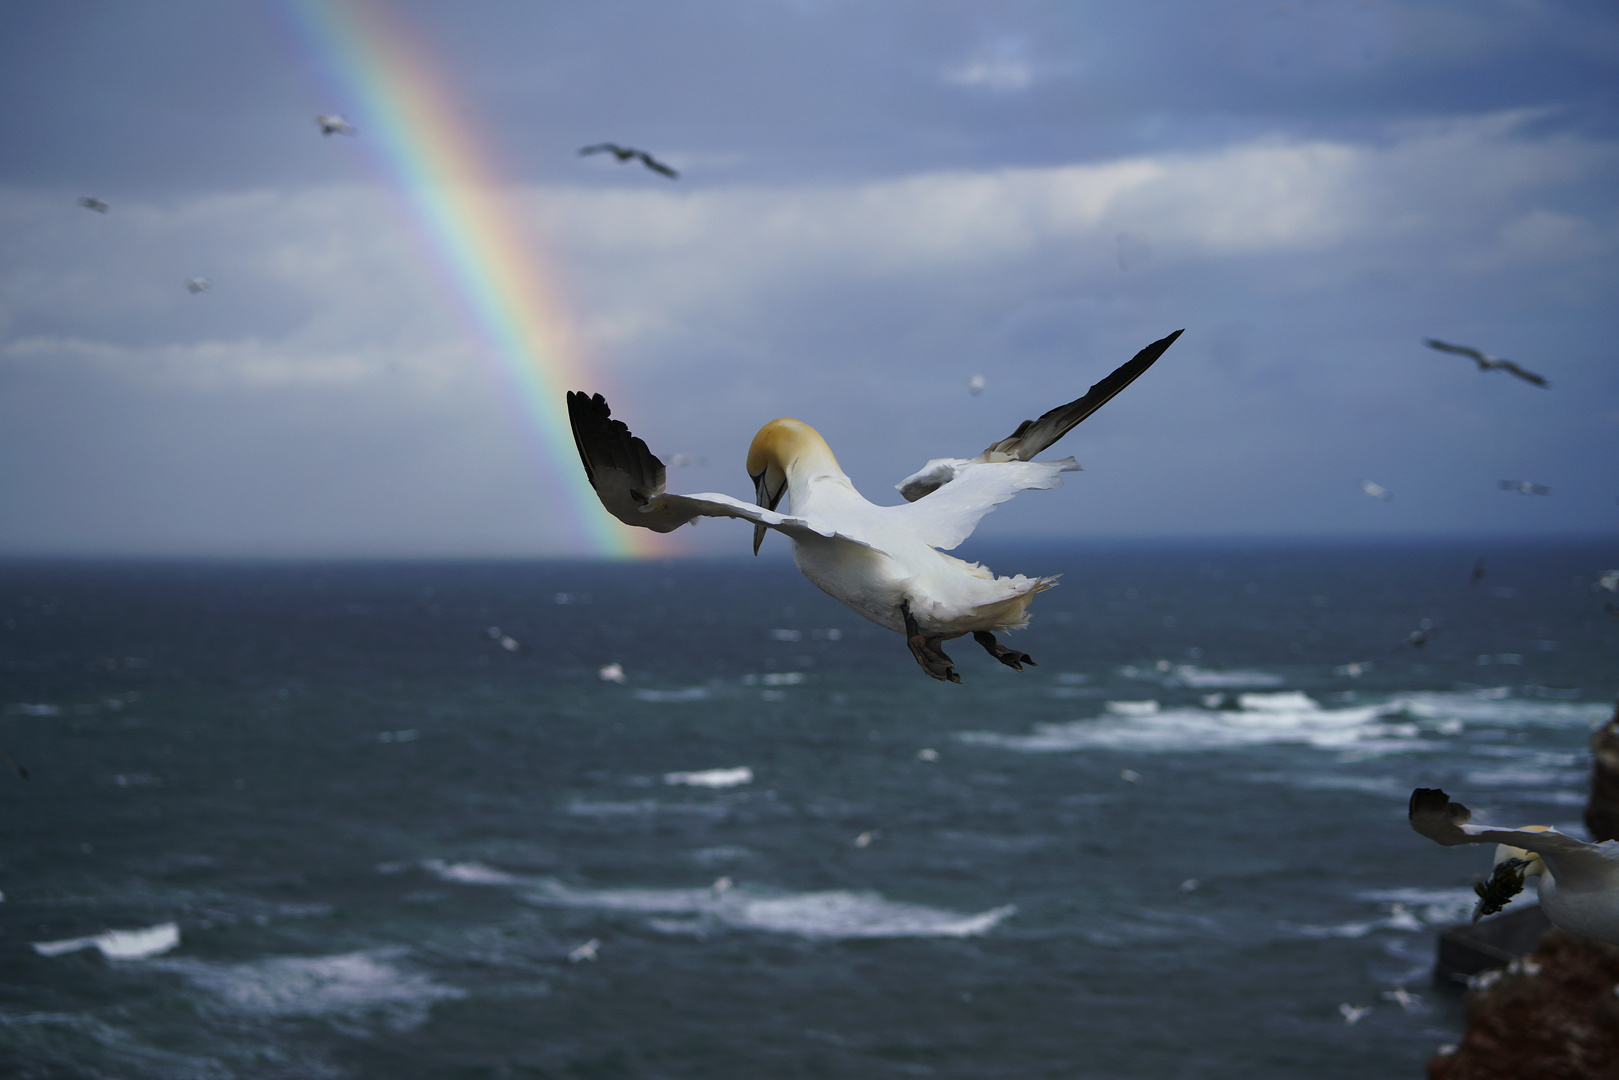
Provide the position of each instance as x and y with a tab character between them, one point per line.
781	447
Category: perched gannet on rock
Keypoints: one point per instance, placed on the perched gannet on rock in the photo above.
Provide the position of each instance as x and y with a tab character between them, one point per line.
1579	882
887	563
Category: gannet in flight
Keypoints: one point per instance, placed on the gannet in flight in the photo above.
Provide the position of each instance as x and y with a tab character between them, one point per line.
1579	882
626	153
90	202
1486	362
975	385
335	125
887	563
198	284
1524	487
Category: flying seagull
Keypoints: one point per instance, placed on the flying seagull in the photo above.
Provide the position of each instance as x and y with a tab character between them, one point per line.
198	284
1376	490
625	153
1579	882
975	385
1525	487
1487	362
89	202
886	563
335	125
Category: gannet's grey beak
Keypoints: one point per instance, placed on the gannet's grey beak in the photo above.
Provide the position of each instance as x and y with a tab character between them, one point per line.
764	497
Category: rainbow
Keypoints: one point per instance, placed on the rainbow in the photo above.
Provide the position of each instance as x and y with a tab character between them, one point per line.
408	112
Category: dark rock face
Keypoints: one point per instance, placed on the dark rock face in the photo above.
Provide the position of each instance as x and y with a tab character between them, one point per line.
1556	1016
1602	810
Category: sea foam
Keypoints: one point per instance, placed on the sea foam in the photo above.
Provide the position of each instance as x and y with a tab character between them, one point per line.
119	944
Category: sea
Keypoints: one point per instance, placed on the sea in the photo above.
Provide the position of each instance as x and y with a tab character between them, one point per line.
695	819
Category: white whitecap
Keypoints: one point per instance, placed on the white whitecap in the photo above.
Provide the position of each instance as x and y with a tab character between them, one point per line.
685	693
712	778
359	982
119	944
820	916
1287	717
468	873
1204	679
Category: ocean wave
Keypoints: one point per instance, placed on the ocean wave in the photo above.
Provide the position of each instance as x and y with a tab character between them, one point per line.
468	873
119	944
350	983
1403	722
1496	705
829	915
1200	678
684	693
644	808
711	778
1287	717
819	916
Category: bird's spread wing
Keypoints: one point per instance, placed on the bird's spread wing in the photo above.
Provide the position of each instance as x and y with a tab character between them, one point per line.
657	166
1526	376
629	480
964	491
599	148
1444	822
1033	436
1459	350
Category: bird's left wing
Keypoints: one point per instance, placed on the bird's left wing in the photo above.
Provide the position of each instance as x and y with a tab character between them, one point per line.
1033	436
1433	815
1525	375
964	491
629	480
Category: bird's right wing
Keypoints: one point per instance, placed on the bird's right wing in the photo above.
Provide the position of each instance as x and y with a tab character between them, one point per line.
599	148
967	490
1433	815
1459	350
629	480
1526	376
1033	436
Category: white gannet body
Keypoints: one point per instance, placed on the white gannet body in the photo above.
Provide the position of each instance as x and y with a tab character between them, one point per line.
1579	881
888	563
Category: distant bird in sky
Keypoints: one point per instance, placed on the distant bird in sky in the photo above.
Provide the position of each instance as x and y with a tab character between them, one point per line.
92	203
975	385
587	951
1478	573
886	563
613	673
1525	487
625	153
1376	490
198	285
1609	580
1486	362
335	125
864	839
1419	637
1353	1013
1579	882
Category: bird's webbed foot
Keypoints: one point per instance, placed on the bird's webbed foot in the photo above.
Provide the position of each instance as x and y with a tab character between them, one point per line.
926	650
1010	657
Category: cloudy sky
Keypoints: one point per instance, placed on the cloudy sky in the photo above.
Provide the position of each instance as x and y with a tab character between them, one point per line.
877	202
